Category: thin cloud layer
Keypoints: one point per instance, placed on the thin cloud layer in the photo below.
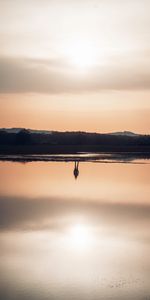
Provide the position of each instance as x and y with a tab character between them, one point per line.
58	76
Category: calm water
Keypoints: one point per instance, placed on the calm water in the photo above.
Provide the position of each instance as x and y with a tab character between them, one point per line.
63	238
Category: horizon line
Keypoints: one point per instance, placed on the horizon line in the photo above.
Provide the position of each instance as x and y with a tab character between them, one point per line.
74	131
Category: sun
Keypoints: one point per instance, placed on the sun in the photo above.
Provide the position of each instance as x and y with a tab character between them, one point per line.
81	54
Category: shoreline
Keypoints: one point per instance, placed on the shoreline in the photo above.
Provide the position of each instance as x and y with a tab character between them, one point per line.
81	157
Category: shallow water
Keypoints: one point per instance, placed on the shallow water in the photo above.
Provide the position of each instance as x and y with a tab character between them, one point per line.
64	238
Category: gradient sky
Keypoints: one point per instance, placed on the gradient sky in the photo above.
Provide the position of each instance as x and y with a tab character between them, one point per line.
75	65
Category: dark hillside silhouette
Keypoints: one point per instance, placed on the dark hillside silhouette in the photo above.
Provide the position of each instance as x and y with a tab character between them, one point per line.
32	142
23	137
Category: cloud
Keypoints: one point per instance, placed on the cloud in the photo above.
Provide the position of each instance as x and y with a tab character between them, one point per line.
58	76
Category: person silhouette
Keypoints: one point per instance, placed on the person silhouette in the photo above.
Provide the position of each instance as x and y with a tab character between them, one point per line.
76	169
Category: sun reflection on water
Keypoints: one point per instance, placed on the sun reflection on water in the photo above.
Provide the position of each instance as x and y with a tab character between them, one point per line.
80	237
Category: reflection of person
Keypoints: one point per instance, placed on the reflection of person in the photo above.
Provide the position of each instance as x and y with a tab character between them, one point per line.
76	169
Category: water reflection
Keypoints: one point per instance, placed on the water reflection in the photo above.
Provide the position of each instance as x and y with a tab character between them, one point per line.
117	183
83	240
80	237
76	169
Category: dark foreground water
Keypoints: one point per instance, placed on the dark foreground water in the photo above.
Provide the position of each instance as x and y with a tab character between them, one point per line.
63	238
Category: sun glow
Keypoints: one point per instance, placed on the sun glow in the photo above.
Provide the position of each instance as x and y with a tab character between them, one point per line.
81	54
80	237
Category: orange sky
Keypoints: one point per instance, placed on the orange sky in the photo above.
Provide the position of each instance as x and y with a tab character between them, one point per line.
62	113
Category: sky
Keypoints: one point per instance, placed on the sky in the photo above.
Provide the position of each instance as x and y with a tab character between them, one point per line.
75	65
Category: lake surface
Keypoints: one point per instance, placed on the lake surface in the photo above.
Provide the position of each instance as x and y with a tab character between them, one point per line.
63	238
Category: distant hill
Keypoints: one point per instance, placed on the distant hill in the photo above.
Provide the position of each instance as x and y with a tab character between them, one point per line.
35	131
125	133
17	130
